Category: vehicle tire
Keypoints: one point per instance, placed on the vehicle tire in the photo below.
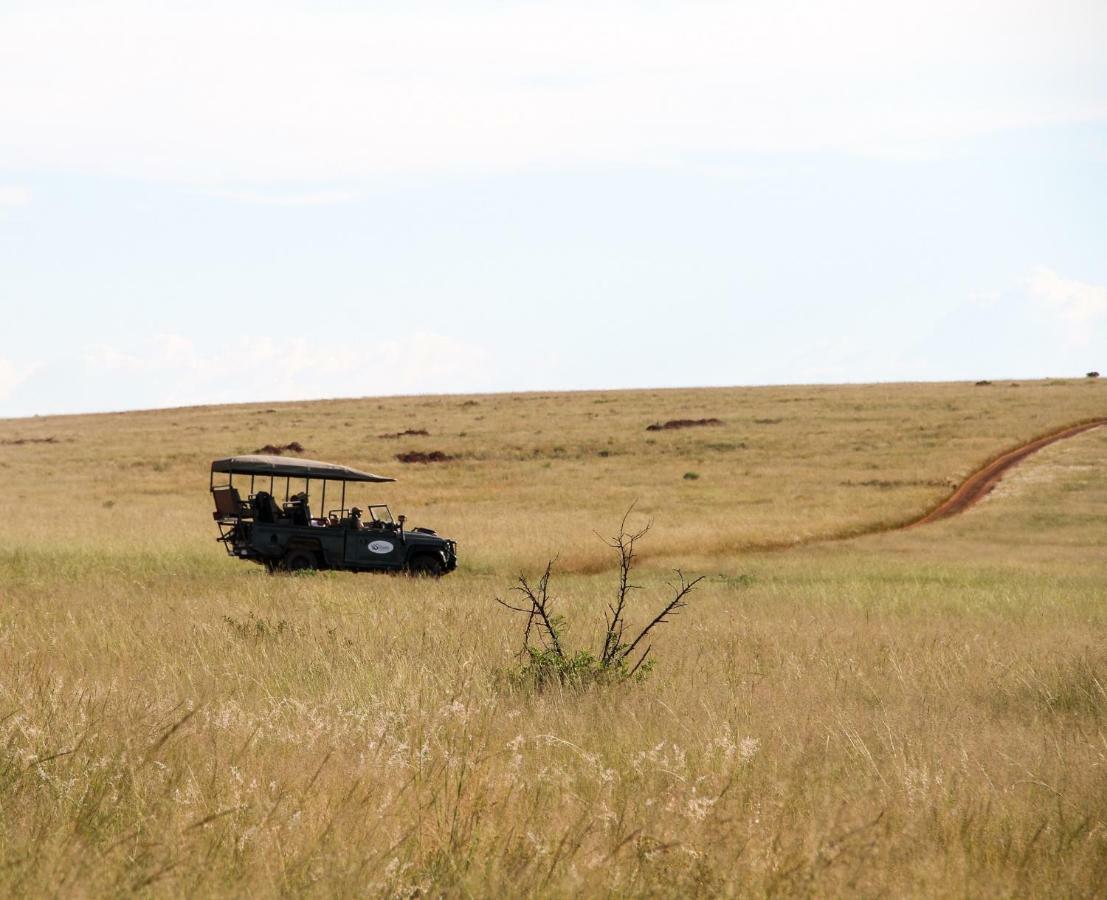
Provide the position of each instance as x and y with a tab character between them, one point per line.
426	566
300	561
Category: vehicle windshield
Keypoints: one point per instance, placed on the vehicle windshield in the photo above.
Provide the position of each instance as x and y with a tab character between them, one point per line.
380	514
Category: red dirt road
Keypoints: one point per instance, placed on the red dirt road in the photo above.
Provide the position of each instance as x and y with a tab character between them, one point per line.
980	483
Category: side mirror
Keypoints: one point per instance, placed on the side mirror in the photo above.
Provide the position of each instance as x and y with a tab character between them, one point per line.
402	520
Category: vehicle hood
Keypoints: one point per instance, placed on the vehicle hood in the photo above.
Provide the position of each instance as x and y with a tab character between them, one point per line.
428	540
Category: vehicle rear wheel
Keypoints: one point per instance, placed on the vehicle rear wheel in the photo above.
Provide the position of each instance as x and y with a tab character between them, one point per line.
426	566
299	561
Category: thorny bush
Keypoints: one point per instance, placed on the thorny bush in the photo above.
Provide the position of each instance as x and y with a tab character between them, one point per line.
547	660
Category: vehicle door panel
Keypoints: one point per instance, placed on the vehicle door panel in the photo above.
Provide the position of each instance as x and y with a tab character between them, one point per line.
373	548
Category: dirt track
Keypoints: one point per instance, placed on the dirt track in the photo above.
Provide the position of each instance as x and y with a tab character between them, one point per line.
980	483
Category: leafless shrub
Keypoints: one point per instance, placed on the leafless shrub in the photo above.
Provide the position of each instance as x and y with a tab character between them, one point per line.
546	658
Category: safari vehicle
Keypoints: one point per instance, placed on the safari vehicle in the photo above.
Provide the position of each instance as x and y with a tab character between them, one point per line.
287	536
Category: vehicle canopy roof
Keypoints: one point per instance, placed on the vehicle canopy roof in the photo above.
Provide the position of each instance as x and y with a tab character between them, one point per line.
257	464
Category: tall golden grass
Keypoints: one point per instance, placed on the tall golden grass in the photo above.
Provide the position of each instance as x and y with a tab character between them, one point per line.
910	713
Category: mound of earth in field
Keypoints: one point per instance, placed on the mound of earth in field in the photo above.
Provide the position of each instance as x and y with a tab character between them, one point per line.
279	449
416	456
406	433
673	424
19	442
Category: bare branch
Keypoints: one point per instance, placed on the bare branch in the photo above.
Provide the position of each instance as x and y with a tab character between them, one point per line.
540	609
622	543
530	614
517	609
673	606
641	660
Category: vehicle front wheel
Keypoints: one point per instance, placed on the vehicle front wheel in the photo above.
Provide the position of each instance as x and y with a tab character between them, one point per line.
426	566
299	561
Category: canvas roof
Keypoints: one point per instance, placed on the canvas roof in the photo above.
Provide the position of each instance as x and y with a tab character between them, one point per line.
258	464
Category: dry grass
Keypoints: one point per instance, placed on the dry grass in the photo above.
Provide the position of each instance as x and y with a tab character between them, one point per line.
912	713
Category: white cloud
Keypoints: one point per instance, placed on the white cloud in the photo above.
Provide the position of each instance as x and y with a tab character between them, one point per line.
230	93
13	195
1081	307
11	376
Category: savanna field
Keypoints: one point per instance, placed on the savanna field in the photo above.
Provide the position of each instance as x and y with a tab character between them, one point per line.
890	713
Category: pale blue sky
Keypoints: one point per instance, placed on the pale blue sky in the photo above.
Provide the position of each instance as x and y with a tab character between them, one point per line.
289	201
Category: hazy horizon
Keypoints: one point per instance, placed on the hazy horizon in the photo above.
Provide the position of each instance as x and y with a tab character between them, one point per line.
994	381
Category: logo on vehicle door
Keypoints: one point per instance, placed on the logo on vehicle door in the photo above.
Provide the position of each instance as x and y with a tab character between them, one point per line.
380	547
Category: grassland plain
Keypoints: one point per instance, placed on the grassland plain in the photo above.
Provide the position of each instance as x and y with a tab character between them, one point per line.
916	712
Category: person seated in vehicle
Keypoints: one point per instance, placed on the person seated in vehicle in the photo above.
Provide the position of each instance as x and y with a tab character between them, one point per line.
298	509
265	507
354	522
